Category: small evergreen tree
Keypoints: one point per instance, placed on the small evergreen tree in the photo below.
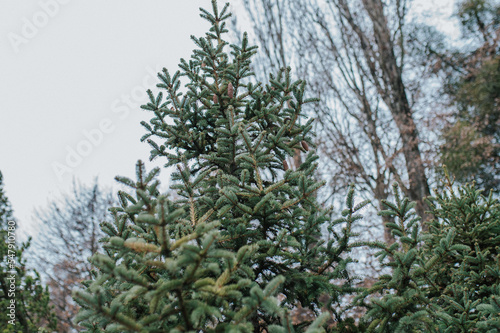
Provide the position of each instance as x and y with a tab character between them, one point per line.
400	299
24	301
245	226
466	281
446	280
245	241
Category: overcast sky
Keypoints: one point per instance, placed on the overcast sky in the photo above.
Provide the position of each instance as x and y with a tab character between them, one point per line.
72	77
81	71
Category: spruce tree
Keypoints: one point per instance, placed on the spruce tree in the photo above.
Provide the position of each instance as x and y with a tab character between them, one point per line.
444	280
466	282
400	299
240	246
243	241
24	301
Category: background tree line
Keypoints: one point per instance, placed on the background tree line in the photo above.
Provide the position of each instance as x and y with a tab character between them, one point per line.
381	75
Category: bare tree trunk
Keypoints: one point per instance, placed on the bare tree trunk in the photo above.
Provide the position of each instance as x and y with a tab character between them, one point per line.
396	99
71	234
354	57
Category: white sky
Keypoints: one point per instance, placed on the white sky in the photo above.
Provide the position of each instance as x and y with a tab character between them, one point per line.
69	75
85	66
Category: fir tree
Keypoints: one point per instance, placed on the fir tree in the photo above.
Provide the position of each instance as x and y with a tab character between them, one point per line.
21	289
466	282
244	228
398	299
446	280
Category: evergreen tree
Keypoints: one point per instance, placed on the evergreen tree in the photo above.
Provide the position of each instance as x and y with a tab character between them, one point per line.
445	280
23	299
245	241
466	281
400	297
245	226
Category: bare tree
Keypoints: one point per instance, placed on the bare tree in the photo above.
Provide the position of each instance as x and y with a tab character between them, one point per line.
70	233
471	73
356	55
